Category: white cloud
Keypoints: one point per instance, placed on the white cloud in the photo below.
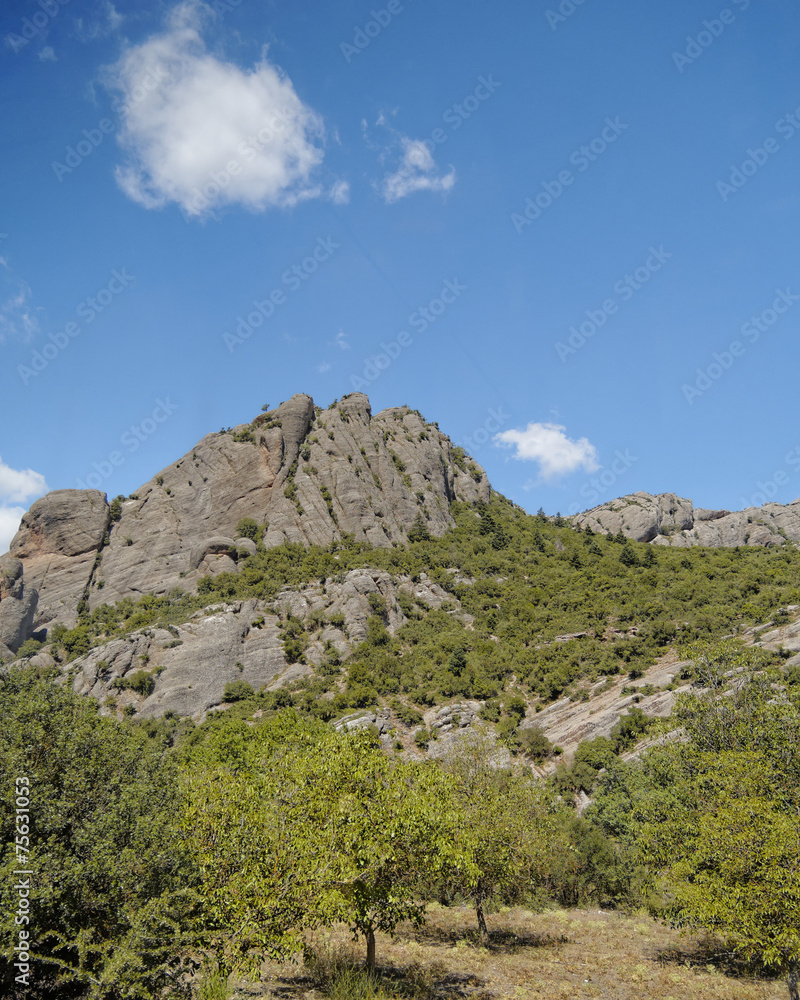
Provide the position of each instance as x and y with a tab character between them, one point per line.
18	315
324	367
47	54
417	172
16	486
9	525
202	133
548	445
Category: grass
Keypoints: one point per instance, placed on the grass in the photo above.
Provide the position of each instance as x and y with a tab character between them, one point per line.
558	955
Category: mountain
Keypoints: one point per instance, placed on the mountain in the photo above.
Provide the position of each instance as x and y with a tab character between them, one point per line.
343	562
302	473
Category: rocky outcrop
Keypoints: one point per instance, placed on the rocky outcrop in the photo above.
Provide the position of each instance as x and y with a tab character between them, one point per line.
304	474
668	519
189	665
17	606
58	543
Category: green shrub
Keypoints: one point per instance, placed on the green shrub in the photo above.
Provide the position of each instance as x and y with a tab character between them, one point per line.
237	691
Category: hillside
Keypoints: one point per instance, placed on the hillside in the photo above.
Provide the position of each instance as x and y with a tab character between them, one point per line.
517	621
362	564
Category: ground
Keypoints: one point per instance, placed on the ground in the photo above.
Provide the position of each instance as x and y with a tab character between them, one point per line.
558	954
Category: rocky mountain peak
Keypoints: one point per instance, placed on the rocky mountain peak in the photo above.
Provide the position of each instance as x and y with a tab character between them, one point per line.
303	473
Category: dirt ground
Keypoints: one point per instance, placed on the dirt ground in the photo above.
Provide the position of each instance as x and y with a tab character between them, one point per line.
558	954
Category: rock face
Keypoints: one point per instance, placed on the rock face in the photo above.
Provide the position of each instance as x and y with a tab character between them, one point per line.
59	543
668	519
17	605
190	664
307	475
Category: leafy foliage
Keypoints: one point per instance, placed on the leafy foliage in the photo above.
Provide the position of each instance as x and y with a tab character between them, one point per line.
110	889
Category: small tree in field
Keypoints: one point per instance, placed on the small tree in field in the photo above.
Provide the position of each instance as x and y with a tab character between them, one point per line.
381	824
507	821
309	829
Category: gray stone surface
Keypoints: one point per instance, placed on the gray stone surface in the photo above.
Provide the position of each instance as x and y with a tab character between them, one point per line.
58	543
16	618
191	663
668	519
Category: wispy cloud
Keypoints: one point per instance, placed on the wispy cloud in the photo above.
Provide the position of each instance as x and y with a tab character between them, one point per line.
18	314
207	133
341	341
414	166
417	172
549	446
339	193
100	24
47	54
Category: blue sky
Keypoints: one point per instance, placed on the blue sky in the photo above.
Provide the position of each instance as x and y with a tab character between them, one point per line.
565	231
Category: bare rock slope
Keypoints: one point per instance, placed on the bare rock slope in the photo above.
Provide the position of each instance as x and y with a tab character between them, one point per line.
308	475
190	665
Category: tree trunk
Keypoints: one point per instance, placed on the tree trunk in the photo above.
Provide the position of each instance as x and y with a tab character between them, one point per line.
484	930
791	979
370	949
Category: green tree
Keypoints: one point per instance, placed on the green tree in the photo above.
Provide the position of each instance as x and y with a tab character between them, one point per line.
308	829
111	886
717	817
506	822
730	859
419	530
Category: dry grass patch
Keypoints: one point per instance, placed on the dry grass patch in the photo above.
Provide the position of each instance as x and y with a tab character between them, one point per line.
559	954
